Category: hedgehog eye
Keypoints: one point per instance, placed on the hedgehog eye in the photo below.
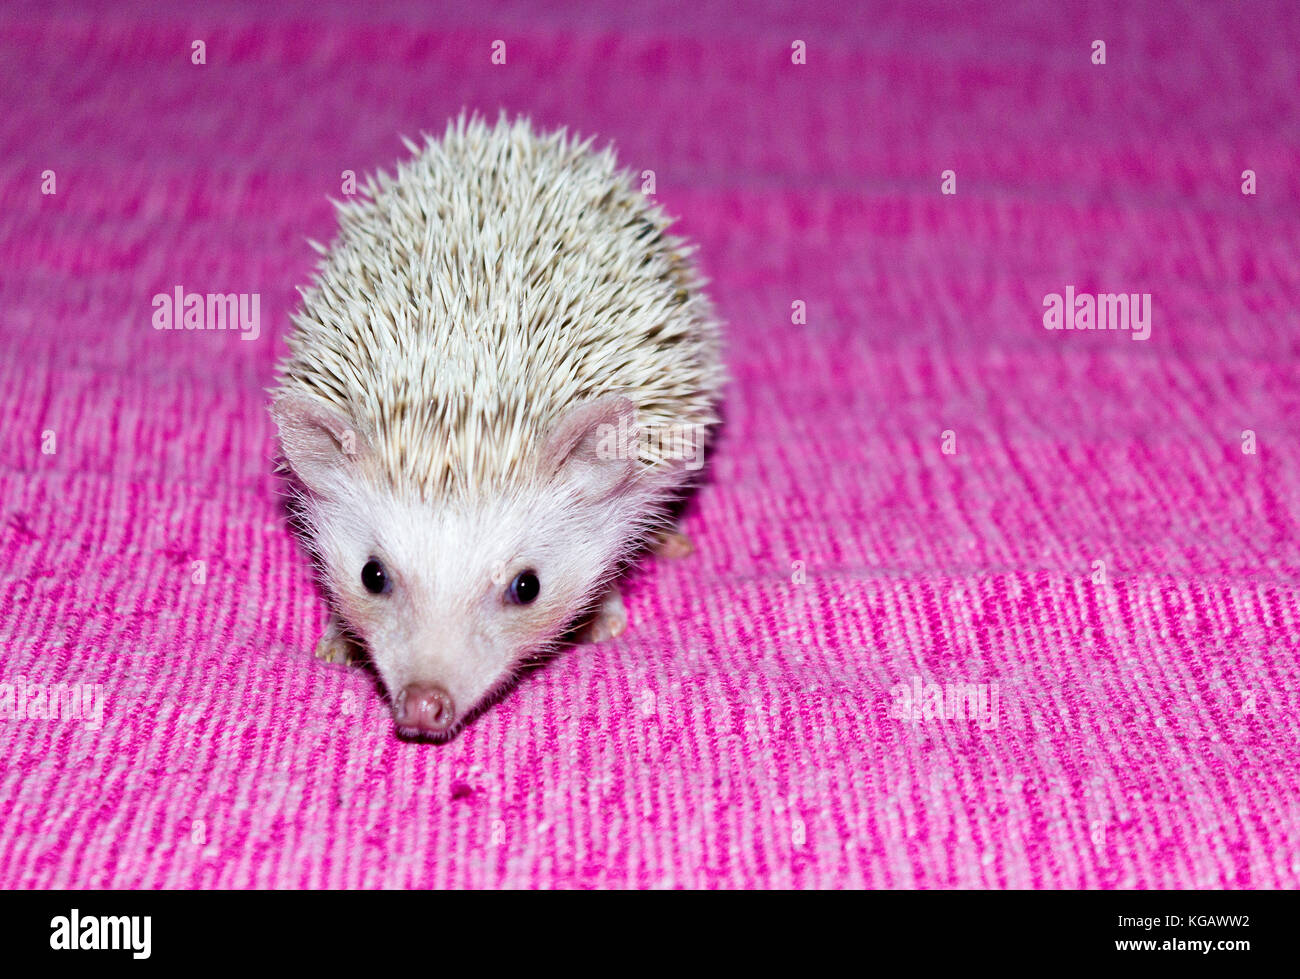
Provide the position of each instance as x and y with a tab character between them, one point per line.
374	577
524	589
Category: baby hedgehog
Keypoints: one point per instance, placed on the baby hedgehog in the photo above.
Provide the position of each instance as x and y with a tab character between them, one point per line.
503	375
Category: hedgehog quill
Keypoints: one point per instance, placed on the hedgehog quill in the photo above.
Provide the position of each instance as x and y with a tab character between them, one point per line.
500	379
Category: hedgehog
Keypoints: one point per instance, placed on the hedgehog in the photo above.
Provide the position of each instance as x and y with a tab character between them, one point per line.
499	385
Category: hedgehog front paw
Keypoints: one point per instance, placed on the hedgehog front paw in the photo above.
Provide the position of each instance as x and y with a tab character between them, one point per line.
336	646
673	544
607	622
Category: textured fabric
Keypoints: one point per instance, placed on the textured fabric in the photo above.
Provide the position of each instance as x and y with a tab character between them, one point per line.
918	487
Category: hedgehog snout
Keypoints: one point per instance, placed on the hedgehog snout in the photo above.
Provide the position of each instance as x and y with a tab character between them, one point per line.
424	709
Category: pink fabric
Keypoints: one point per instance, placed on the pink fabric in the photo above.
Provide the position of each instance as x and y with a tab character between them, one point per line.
746	730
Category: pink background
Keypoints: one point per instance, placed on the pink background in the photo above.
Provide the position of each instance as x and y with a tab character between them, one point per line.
740	733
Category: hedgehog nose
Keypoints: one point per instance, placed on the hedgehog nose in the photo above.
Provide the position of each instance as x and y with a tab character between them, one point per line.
424	709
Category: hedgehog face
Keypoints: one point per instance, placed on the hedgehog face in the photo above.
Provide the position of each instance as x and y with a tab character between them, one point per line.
452	600
451	604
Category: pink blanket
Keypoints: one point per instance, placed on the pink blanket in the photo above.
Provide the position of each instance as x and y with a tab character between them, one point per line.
975	603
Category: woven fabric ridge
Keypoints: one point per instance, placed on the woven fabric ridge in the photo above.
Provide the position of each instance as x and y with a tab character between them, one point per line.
917	489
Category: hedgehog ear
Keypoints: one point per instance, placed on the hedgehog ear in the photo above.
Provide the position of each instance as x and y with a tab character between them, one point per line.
594	445
319	444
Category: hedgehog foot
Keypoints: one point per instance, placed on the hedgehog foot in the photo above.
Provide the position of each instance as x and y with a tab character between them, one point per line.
607	622
335	646
673	544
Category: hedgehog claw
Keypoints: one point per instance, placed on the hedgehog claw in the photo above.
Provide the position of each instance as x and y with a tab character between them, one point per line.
673	544
335	646
607	622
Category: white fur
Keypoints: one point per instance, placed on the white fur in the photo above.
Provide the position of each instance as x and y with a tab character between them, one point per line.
446	619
